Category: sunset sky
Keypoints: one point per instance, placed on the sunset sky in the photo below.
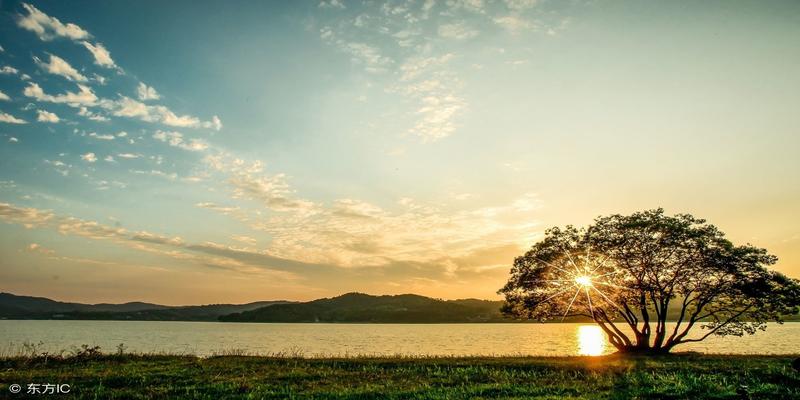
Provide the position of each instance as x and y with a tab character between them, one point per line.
187	152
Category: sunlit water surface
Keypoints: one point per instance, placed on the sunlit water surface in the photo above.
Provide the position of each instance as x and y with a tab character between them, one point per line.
206	338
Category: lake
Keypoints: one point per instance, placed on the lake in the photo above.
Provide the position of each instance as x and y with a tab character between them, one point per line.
206	338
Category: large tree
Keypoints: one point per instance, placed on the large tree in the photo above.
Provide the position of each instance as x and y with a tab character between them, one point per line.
632	274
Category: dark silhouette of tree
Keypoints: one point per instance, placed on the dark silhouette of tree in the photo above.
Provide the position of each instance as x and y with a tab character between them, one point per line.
632	274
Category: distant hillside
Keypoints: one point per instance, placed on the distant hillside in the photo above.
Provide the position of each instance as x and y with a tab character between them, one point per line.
358	307
348	308
13	305
27	307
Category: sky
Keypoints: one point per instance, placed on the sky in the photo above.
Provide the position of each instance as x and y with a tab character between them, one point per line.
190	152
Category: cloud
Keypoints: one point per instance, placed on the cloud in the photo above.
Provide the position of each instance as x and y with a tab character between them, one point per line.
475	6
85	96
60	167
216	123
89	157
423	76
130	108
46	116
47	27
57	66
128	155
218	208
37	248
127	107
437	114
175	139
331	4
369	56
355	233
425	80
85	112
475	264
458	30
244	239
249	182
514	23
124	107
147	92
520	5
101	56
10	119
8	70
412	41
101	137
4	97
360	53
158	173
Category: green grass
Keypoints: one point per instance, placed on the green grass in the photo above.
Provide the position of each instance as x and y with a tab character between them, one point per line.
685	376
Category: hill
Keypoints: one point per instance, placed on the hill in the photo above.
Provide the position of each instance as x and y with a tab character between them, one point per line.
359	307
28	307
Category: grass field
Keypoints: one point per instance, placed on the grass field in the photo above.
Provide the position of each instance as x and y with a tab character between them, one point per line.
97	376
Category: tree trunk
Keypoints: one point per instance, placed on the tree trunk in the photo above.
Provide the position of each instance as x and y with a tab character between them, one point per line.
643	350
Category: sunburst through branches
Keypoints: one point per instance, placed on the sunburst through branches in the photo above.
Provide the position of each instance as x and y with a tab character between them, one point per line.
583	280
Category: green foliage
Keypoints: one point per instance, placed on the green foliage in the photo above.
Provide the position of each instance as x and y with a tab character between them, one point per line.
236	377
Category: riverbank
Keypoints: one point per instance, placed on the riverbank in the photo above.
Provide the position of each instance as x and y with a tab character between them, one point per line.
92	375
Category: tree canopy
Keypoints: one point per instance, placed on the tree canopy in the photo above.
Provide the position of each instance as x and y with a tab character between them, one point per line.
631	274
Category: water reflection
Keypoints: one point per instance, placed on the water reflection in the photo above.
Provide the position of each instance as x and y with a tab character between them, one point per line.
205	338
591	340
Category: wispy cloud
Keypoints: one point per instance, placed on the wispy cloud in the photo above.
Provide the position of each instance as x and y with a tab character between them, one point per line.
101	56
515	23
458	30
47	27
91	115
147	92
57	66
10	119
331	4
205	254
520	5
128	155
97	136
46	116
176	139
8	70
130	108
350	232
84	97
249	182
89	157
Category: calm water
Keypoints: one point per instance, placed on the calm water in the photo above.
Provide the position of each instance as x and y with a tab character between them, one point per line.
204	338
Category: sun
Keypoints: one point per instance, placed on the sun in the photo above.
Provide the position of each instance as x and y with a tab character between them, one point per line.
583	280
582	275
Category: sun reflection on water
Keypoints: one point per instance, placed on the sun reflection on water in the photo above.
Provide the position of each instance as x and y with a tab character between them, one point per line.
591	340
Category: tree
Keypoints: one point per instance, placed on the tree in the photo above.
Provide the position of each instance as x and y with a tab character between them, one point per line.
632	274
